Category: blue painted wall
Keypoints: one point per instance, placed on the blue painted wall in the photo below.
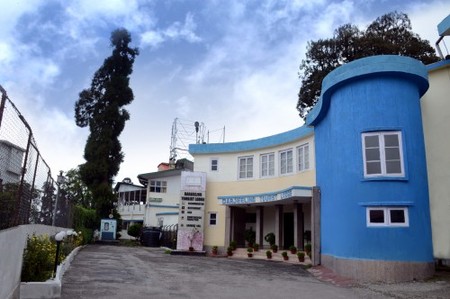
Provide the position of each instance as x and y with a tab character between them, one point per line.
376	93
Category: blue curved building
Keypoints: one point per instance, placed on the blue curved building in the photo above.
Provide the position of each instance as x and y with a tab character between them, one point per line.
371	170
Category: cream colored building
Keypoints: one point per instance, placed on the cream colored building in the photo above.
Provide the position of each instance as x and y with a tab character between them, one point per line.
436	123
264	184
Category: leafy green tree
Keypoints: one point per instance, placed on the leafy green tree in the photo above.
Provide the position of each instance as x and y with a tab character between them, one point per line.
8	198
388	34
101	108
75	190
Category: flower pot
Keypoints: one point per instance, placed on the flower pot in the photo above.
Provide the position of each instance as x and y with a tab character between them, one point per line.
285	258
250	254
301	259
191	248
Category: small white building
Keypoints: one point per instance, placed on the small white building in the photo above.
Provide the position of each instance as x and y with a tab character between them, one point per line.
131	207
163	193
11	160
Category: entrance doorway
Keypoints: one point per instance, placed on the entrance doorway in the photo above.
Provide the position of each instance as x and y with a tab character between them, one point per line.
288	230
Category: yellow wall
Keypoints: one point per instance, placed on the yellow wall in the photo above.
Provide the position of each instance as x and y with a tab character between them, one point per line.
225	182
436	122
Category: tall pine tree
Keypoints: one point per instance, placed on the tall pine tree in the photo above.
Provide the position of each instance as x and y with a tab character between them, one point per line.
101	108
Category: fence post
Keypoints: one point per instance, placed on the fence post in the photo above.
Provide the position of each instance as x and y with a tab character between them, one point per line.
19	206
2	104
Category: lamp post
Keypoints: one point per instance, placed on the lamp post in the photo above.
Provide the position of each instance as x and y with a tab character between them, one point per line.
58	238
59	180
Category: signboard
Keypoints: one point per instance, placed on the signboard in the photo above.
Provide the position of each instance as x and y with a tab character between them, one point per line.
191	211
295	191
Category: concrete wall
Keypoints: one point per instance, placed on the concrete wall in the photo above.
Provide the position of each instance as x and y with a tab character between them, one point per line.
436	123
12	244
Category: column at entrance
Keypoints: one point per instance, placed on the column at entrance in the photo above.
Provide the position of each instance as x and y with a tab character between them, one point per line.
279	225
259	225
298	226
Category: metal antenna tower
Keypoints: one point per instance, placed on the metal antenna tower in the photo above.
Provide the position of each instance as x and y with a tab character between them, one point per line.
185	132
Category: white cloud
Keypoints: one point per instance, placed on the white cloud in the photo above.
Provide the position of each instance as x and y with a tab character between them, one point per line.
176	31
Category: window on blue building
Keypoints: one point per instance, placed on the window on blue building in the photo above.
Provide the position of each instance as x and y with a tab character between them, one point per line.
387	216
383	154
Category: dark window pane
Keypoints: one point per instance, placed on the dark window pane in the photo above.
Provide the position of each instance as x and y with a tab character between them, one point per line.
391	140
372	154
397	216
371	141
393	167
392	154
376	216
373	167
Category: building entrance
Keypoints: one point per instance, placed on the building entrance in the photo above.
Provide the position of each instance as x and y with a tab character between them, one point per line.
288	230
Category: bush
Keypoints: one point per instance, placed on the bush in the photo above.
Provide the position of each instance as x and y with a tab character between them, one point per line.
39	255
39	258
233	245
135	230
270	238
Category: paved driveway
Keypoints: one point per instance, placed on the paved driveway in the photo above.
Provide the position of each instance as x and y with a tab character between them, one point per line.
142	272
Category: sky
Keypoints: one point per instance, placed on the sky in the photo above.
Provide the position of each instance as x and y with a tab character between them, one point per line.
226	64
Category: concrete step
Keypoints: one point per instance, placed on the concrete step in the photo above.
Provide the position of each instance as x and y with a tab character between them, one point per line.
241	253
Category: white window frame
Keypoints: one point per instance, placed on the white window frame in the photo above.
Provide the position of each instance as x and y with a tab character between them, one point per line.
382	153
303	161
248	173
154	184
216	160
210	218
289	164
268	166
387	217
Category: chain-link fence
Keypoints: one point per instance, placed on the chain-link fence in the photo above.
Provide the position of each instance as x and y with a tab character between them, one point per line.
28	192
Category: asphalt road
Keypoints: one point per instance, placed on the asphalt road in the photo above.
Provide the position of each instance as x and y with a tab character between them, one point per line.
101	271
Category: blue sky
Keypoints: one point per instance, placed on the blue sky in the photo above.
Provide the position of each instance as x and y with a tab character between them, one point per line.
231	64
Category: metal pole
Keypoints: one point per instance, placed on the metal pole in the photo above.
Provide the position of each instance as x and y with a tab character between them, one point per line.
58	243
59	181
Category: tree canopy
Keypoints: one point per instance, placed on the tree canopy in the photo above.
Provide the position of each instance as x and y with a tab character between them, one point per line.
388	34
101	108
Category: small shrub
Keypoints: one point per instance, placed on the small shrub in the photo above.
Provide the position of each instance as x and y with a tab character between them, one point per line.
256	246
274	248
269	254
233	245
250	250
293	249
39	258
135	230
270	238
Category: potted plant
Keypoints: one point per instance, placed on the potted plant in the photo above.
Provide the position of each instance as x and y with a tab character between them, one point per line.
230	251
301	256
269	254
233	245
256	247
285	255
274	248
270	238
308	248
191	248
250	236
293	249
215	250
250	252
